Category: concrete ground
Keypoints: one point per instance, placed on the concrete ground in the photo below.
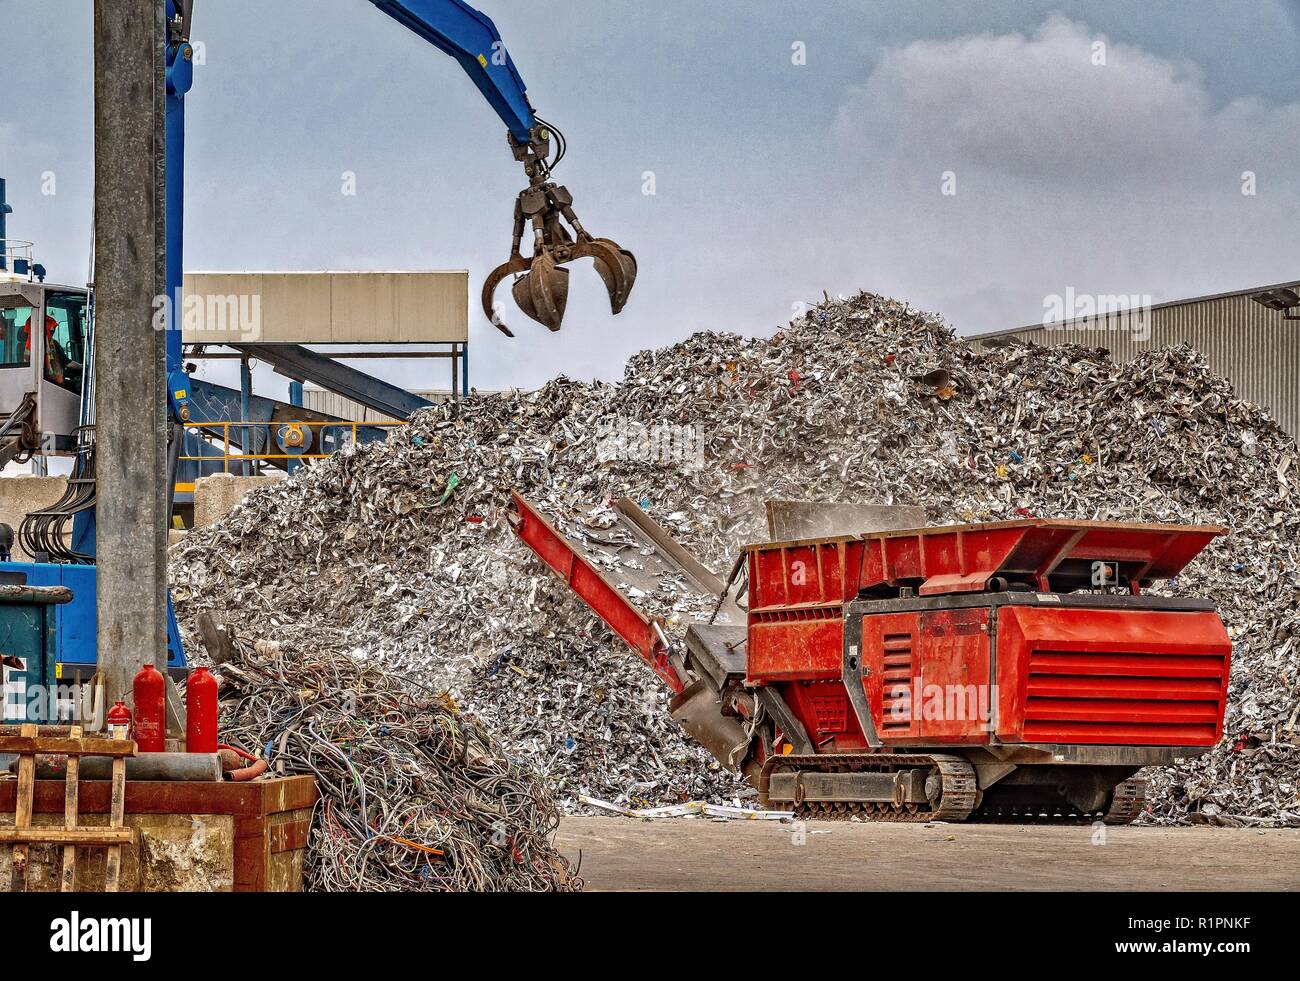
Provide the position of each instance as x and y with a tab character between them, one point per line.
699	854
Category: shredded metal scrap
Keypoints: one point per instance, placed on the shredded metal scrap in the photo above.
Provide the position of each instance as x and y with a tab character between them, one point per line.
398	553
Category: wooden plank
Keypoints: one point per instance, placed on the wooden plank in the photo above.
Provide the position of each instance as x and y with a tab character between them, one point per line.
58	746
252	853
23	813
68	837
47	730
161	797
117	815
68	883
290	835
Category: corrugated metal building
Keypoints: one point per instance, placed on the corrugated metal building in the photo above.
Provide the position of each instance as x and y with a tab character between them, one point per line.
1255	347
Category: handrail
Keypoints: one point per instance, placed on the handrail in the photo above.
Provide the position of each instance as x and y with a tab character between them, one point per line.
17	248
225	426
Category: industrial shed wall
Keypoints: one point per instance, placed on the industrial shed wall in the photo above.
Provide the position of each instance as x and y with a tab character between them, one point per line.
1251	345
326	307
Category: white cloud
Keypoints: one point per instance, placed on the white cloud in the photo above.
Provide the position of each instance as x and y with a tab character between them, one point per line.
1039	106
1122	178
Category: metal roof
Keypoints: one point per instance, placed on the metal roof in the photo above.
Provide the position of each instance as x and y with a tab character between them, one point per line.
1291	284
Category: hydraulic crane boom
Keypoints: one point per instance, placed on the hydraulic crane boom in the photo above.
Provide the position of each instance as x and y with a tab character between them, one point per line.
471	38
542	285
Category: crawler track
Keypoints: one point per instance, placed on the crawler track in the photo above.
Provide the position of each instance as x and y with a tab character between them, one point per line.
957	798
1127	801
957	794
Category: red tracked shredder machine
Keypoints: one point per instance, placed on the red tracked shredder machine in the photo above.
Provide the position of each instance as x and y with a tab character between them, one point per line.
1011	670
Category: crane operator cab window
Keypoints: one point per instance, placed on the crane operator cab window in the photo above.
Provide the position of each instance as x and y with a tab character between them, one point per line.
65	339
15	323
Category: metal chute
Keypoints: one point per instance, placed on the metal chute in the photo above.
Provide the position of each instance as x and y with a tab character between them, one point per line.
541	285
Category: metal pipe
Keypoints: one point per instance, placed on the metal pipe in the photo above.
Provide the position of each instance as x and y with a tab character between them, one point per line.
245	398
186	767
5	209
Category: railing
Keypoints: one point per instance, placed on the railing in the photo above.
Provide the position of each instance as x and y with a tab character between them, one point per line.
204	431
16	248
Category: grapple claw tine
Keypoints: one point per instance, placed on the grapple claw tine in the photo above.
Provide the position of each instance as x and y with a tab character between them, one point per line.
615	266
543	291
515	264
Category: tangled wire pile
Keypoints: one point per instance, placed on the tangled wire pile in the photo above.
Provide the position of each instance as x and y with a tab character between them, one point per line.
415	797
398	553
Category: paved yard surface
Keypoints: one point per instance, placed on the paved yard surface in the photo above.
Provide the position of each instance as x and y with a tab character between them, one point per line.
681	854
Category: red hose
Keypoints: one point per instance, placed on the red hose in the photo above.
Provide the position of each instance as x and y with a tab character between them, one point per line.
237	751
249	772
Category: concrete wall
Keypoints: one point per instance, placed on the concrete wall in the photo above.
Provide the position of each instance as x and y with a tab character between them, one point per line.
172	853
22	494
216	496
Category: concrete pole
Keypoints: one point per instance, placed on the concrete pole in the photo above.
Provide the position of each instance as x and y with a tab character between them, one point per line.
130	393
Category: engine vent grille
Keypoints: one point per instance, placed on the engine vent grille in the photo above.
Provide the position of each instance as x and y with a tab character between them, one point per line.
1116	697
896	682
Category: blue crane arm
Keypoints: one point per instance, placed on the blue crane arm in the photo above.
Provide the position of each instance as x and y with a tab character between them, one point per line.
471	38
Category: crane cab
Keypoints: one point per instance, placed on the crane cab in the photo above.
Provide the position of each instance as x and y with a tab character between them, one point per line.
43	336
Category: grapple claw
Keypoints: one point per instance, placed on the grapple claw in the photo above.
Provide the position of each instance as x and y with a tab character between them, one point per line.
617	267
543	291
541	287
515	264
618	280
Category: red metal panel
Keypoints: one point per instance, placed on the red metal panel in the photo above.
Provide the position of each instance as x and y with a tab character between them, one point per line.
1117	677
789	574
962	558
823	708
954	682
930	677
596	591
804	645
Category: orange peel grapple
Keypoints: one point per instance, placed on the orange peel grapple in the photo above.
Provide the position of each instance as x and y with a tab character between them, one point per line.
541	281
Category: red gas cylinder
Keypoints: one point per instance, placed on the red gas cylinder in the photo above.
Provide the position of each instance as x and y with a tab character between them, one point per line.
150	690
201	712
119	721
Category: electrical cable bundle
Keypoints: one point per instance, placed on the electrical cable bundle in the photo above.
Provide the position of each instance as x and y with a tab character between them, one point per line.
414	795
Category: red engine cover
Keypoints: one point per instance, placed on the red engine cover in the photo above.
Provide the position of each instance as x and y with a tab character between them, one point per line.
930	678
1118	677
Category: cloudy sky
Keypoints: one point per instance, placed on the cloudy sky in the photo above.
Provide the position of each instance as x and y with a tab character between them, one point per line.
795	148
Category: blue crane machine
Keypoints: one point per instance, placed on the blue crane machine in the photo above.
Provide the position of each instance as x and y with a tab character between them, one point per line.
47	346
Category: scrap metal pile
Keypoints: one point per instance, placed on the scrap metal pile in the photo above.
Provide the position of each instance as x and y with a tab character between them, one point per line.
399	554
